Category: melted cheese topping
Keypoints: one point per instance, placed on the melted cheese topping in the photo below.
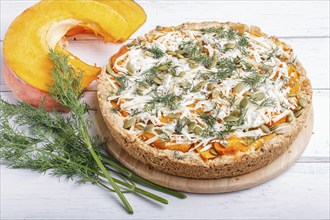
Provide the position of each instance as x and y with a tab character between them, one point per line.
189	84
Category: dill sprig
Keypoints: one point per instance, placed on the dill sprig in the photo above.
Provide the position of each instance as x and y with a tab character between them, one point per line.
157	52
254	80
269	102
180	125
66	90
221	32
61	144
225	69
161	68
208	119
169	100
194	51
190	49
123	83
242	44
273	53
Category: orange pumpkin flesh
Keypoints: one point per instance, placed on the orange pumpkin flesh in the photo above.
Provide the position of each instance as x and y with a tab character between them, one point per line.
44	26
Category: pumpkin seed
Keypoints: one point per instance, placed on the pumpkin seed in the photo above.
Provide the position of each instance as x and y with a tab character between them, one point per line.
213	61
273	128
191	61
292	95
249	141
157	81
180	56
244	102
159	28
215	94
206	77
161	76
265	129
298	113
148	128
235	112
130	67
170	52
283	128
230	45
174	115
248	93
182	74
230	118
199	86
298	108
148	53
239	87
129	123
302	102
184	84
163	67
179	52
140	127
198	130
239	65
159	131
191	126
141	87
259	96
237	60
211	86
193	65
145	85
289	118
214	152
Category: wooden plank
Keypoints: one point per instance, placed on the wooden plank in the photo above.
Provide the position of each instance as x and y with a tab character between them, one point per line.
300	193
287	15
313	53
318	146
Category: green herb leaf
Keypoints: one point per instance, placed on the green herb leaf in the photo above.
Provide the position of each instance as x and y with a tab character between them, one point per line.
61	144
158	53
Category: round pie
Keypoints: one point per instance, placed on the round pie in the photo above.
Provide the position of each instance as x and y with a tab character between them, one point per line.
205	100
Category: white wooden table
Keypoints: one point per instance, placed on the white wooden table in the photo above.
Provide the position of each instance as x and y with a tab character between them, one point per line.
302	192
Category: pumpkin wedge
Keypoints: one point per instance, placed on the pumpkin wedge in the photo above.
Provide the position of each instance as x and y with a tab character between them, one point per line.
44	25
133	12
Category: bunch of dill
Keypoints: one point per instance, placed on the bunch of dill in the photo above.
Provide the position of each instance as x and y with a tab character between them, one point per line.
33	138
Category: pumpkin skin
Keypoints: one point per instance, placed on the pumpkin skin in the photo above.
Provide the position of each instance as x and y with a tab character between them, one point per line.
44	26
28	94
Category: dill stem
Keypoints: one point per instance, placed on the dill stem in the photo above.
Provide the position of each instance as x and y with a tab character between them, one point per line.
141	180
140	191
89	145
129	186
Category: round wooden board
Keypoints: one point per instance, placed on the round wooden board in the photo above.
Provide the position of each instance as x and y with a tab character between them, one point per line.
222	185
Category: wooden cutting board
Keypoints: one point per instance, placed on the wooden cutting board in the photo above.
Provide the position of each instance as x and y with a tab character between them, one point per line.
222	185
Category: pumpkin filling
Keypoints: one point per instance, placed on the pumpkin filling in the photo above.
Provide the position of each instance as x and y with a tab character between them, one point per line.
215	91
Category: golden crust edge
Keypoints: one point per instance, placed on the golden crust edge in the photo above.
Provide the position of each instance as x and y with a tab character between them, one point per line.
191	165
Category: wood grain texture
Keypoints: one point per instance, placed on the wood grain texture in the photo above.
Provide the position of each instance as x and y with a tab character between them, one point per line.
292	18
221	185
300	193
